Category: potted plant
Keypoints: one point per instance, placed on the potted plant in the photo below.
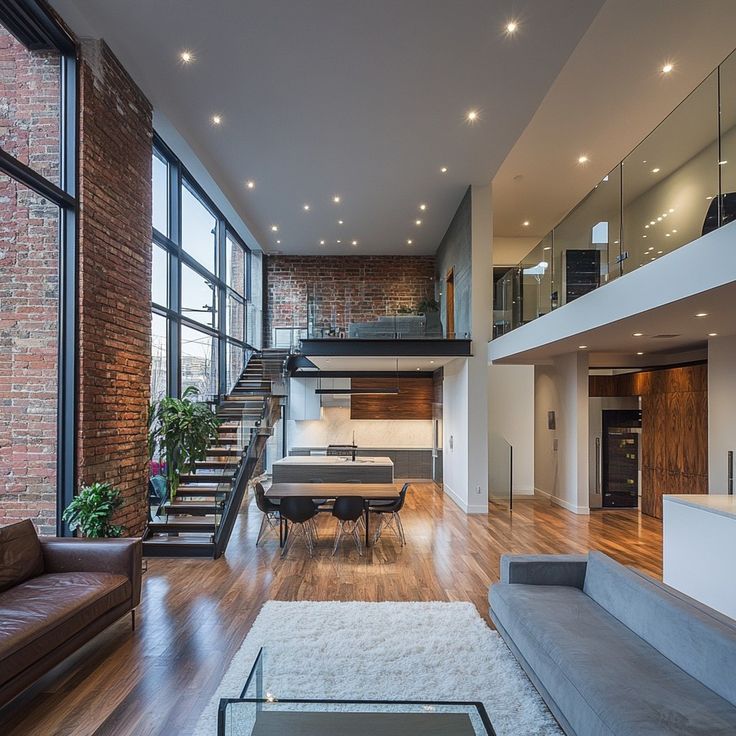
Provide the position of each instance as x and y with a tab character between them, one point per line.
91	509
180	431
430	308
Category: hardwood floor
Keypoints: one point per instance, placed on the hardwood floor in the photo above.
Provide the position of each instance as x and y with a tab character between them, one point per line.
195	613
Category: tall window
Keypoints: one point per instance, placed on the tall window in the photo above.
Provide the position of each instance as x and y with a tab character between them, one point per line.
204	325
37	214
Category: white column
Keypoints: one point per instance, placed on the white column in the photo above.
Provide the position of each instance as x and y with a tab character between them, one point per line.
721	409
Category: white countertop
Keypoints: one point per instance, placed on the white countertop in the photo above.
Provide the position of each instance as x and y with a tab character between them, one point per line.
333	460
714	503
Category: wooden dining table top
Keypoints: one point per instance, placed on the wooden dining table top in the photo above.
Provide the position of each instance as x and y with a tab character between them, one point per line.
371	491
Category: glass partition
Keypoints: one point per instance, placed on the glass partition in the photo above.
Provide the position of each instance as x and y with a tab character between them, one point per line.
678	184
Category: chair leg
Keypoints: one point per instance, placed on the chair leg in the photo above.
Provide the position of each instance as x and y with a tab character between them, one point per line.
262	530
379	527
308	538
356	537
338	536
400	526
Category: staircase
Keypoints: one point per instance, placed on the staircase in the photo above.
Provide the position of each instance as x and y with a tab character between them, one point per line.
200	519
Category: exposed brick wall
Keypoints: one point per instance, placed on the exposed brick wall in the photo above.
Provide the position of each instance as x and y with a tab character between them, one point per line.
114	280
29	288
348	288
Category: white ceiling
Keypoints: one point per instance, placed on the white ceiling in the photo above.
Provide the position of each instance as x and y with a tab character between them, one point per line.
362	99
607	98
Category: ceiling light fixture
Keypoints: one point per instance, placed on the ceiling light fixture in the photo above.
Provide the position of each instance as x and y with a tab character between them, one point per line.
443	170
702	314
672	209
582	159
655	170
216	119
640	353
511	27
339	241
667	68
340	222
186	56
336	199
409	241
275	228
321	242
472	116
582	347
355	242
526	223
307	208
417	222
278	242
722	163
638	334
712	334
250	184
422	207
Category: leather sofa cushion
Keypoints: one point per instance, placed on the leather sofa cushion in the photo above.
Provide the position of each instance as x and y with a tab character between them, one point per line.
604	678
40	613
20	554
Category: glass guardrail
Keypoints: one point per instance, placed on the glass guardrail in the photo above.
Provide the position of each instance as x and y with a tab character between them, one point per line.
678	184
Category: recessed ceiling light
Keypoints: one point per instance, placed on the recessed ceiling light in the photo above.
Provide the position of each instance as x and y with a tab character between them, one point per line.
355	242
511	27
652	248
674	229
307	208
417	222
409	241
547	247
712	334
419	369
582	159
659	219
672	209
278	242
186	56
653	258
336	199
667	68
321	242
651	222
702	314
582	347
659	252
275	228
640	353
643	236
472	116
526	223
646	227
431	362
340	222
667	235
443	170
250	184
655	170
422	207
339	241
638	334
216	119
722	163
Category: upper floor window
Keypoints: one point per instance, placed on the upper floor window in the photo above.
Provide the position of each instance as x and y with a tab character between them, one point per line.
198	229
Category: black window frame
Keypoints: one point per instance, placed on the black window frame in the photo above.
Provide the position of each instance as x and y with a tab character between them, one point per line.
35	28
179	177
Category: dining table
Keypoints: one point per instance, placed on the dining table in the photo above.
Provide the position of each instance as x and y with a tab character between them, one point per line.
367	491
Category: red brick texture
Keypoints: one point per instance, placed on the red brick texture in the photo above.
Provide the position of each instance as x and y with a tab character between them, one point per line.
347	288
116	133
29	288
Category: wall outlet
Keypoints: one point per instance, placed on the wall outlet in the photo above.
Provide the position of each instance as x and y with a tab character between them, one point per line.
477	490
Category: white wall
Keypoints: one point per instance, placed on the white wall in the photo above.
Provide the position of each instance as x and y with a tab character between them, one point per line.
455	432
721	409
511	420
336	426
561	455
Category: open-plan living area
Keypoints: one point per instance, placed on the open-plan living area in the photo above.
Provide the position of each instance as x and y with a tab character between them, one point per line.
367	368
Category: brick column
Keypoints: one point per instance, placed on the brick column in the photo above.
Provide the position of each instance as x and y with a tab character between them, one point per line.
114	340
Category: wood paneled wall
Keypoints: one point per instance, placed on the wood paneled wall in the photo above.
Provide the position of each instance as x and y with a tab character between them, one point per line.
414	400
674	438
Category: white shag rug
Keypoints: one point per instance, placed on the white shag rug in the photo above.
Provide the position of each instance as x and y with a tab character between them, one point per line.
392	651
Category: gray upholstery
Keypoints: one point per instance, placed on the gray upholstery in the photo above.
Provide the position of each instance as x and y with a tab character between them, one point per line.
596	674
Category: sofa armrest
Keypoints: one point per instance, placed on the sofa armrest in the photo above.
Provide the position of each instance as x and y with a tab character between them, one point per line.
566	570
118	556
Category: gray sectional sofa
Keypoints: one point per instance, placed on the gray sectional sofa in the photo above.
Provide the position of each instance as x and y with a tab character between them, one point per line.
614	652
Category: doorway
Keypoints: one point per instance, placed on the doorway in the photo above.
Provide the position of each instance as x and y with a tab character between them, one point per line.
450	303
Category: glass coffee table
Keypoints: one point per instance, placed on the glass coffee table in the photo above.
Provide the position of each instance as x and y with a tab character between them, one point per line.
259	713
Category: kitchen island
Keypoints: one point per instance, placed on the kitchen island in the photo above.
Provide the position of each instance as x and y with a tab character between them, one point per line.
333	469
700	548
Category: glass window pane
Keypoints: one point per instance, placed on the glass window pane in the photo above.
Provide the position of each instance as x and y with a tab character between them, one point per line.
160	276
29	298
160	187
159	351
198	229
234	364
235	317
235	257
670	180
198	297
254	334
30	94
199	362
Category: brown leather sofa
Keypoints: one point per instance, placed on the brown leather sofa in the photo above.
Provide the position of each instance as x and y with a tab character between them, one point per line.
55	595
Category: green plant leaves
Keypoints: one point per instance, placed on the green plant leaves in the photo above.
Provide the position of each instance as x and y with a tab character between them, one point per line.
91	509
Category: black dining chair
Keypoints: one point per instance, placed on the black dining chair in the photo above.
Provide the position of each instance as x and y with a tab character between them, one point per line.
299	511
270	509
390	515
348	510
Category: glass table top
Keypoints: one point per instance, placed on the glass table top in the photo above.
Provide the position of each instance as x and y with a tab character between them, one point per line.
259	712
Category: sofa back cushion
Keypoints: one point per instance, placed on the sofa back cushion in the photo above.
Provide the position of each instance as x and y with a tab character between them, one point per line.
20	554
696	638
